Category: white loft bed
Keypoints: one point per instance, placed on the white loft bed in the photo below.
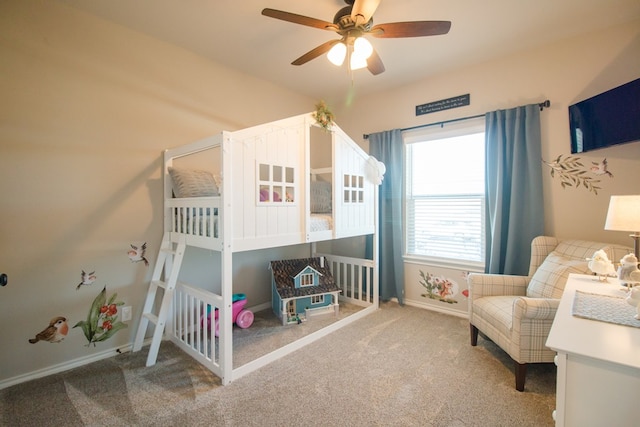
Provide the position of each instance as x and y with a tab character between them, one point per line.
267	195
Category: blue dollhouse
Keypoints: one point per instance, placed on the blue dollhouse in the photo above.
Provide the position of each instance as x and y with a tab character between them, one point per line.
301	288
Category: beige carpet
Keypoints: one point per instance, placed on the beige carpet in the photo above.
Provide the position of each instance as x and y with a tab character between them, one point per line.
267	334
400	366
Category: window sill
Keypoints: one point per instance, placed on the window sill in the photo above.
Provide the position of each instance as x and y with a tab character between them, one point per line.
475	267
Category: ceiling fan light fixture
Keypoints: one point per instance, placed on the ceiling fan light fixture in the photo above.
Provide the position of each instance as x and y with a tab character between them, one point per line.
337	54
357	62
352	23
362	47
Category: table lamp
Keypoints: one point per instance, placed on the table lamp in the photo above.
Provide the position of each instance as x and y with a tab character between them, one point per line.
624	215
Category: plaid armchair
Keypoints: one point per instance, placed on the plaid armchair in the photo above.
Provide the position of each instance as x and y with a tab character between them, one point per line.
516	312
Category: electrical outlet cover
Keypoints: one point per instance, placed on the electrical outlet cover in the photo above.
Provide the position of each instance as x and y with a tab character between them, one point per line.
126	313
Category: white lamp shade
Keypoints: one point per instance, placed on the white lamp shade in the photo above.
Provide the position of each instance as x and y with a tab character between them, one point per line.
623	214
358	62
337	54
362	48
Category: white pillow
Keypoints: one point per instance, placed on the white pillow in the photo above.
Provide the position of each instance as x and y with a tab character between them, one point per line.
550	278
192	183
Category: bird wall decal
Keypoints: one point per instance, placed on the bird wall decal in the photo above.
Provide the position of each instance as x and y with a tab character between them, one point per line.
55	332
86	279
137	254
601	168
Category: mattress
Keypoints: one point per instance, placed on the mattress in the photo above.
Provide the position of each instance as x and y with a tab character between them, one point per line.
321	222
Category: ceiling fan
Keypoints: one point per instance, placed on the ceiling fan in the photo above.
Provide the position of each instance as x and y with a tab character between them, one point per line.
352	23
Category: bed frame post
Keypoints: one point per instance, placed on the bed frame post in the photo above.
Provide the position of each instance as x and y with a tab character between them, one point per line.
226	270
376	228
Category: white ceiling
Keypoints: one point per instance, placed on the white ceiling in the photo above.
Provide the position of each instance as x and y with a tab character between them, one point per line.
235	33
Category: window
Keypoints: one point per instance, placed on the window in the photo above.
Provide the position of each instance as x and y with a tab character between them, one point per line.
306	279
353	188
444	203
275	184
317	299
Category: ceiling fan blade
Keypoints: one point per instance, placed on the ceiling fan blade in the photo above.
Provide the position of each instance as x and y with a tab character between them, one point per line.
411	29
363	10
299	19
314	53
374	63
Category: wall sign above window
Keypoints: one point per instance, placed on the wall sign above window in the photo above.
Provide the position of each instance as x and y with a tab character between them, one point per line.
443	104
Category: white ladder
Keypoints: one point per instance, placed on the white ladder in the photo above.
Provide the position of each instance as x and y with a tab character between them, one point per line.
169	260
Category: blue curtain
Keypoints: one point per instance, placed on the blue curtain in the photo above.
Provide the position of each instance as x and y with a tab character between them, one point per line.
514	205
388	148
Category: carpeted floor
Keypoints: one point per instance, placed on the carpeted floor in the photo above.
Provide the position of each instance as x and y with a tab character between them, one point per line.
267	334
400	366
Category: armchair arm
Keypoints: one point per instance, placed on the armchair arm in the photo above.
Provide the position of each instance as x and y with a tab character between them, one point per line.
534	308
482	285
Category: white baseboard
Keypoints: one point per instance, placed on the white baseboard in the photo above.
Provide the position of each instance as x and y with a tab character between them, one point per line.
75	363
444	310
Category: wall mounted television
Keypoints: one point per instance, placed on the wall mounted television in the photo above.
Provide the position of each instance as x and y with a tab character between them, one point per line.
610	118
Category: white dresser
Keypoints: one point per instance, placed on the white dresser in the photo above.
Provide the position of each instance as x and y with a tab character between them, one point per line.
598	363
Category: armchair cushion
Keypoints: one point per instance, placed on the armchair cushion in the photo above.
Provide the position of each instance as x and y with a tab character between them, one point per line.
497	311
549	279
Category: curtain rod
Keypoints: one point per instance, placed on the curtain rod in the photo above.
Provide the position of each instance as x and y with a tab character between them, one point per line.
542	105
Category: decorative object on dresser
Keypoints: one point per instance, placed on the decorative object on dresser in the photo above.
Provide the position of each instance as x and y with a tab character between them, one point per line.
633	298
516	312
601	266
624	215
628	272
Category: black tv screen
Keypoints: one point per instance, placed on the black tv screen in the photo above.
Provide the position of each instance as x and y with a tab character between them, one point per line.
610	118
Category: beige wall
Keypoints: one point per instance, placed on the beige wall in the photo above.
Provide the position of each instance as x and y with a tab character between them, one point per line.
564	73
86	109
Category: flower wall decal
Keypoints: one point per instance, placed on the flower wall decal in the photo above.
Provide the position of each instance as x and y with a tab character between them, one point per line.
439	287
102	321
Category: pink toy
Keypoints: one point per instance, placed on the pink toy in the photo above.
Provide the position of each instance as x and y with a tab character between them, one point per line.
241	317
264	196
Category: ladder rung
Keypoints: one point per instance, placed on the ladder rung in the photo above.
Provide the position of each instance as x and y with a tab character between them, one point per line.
168	258
152	318
159	283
